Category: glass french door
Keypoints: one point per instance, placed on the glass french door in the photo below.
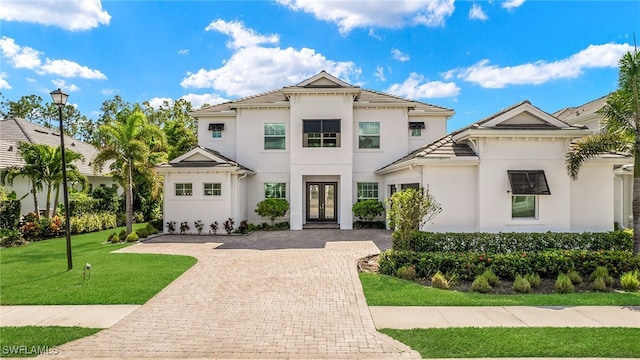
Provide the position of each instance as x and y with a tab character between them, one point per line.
321	201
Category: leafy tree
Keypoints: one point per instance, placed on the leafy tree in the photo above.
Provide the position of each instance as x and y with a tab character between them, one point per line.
133	144
52	175
32	170
179	127
621	120
410	209
368	209
272	208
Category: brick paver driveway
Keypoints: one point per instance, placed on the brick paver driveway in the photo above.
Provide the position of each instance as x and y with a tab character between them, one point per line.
252	304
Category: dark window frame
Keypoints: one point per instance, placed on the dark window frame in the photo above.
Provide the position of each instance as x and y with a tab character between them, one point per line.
323	133
528	182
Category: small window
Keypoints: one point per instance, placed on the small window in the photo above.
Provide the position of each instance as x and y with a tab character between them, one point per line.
212	189
274	136
524	207
416	132
185	189
367	190
369	135
410	186
321	133
216	130
275	190
528	182
416	127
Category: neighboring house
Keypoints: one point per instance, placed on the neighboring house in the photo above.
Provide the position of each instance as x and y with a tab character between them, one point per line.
587	115
324	144
14	131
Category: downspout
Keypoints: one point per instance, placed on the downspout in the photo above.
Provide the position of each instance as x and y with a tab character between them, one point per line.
412	168
244	175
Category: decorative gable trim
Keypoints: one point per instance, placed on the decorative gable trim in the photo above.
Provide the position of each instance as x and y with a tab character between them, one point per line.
198	154
324	79
522	110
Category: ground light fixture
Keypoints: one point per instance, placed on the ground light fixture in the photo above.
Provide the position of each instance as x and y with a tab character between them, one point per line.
60	99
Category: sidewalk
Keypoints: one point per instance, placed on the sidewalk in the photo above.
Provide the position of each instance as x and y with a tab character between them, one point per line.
392	317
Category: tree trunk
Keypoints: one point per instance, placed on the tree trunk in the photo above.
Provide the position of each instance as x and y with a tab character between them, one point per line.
636	197
56	200
34	191
129	199
47	211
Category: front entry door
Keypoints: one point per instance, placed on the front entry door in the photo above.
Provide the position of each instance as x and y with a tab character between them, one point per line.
321	201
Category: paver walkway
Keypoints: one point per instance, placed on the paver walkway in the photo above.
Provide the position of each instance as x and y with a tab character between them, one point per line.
240	303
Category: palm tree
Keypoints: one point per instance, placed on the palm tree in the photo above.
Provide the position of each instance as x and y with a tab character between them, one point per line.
33	156
621	132
132	144
52	176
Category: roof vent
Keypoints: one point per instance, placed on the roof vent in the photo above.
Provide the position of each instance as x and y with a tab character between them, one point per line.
10	148
73	144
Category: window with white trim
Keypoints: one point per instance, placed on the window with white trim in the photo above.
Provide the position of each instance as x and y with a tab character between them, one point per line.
369	135
184	189
274	136
524	207
367	190
212	189
216	130
526	185
275	190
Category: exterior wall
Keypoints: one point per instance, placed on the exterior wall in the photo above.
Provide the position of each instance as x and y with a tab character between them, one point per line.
435	128
394	138
593	210
225	145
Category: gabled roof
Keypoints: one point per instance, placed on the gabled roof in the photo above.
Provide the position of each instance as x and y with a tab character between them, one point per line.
14	131
201	157
318	82
573	114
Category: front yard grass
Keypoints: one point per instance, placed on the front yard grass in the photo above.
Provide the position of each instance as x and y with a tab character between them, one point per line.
383	290
37	274
521	342
29	341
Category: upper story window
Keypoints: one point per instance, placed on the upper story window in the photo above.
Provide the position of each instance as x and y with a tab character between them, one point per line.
416	127
321	133
367	190
216	130
212	189
369	135
275	190
184	189
274	136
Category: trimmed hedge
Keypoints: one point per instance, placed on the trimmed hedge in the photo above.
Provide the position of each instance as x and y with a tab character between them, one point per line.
498	243
468	265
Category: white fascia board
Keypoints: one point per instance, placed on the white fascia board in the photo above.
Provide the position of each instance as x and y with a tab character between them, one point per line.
438	112
526	108
468	160
203	170
205	113
507	133
273	105
322	90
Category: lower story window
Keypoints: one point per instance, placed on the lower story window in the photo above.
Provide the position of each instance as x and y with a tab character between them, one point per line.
275	190
523	207
212	189
184	189
367	190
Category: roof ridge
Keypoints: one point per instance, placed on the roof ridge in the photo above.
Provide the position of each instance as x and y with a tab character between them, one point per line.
20	127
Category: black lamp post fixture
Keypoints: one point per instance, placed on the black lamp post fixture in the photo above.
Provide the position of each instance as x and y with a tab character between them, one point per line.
60	99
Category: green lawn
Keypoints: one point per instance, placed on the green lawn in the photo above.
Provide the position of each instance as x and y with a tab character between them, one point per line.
382	290
37	274
521	342
30	341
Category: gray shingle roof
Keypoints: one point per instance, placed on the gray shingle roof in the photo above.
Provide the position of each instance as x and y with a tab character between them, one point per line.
14	131
205	163
569	114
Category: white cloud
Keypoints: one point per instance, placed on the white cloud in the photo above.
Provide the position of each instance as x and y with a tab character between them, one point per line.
493	76
183	52
4	84
61	84
240	35
70	69
512	4
197	100
156	102
68	14
253	69
477	13
399	55
349	15
379	74
26	57
108	92
414	87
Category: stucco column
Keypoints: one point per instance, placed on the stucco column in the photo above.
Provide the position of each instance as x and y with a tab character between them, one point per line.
296	200
346	200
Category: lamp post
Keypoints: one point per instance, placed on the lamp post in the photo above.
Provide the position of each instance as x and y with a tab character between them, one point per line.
60	99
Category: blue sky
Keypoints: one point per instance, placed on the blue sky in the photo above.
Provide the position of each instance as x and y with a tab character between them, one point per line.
476	57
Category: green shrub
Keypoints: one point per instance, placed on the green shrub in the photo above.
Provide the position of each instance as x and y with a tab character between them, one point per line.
138	217
575	278
439	281
367	210
122	235
114	238
534	280
603	273
107	198
409	209
10	237
481	284
142	233
133	237
151	230
629	281
563	284
9	213
407	272
599	284
491	277
521	285
272	208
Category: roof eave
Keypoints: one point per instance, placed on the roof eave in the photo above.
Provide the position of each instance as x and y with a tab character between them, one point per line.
466	160
521	133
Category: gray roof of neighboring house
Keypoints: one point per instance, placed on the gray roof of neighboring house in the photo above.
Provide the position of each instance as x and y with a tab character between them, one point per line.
570	114
14	131
365	96
204	163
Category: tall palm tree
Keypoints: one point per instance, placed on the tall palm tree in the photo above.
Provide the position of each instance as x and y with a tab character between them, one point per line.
131	143
621	132
33	156
52	176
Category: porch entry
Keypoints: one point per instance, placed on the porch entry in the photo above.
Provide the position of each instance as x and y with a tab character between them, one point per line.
321	201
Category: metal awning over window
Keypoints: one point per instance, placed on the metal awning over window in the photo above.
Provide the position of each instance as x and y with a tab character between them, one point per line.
218	127
414	125
528	182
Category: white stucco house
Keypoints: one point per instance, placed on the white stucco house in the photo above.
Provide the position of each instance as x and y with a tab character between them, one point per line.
16	130
324	144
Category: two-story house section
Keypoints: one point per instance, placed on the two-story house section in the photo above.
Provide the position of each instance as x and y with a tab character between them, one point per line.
316	144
